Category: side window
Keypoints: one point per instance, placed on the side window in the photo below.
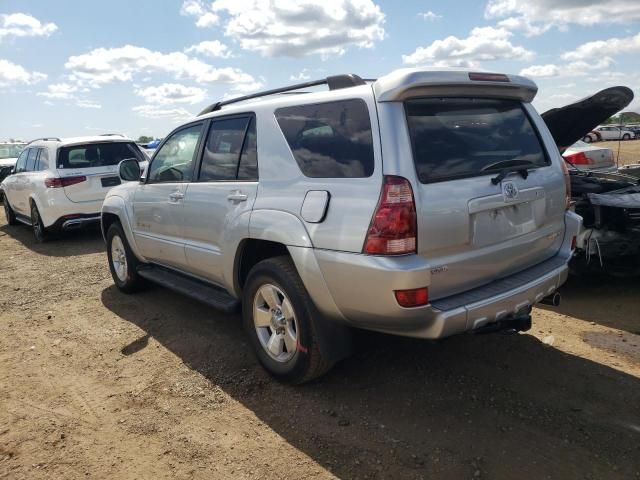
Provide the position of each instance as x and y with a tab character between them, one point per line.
174	161
330	140
21	163
31	159
43	159
222	150
248	168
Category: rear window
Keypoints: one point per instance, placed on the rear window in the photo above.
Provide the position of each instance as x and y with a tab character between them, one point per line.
97	154
329	140
466	137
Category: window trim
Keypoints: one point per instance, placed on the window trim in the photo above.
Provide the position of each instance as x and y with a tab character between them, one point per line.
371	128
450	178
211	121
24	152
197	152
35	162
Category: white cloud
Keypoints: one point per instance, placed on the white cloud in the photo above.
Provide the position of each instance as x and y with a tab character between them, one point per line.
106	65
430	16
155	111
197	8
301	77
213	48
604	48
536	17
578	68
548	70
24	25
170	93
12	74
295	29
88	104
482	44
63	91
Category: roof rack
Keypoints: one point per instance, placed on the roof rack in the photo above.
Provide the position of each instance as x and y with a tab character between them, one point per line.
46	139
335	82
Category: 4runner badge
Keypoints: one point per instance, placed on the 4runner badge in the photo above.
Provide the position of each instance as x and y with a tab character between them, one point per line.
509	191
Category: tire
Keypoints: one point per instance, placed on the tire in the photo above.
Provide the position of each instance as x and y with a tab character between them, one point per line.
40	232
295	316
587	139
124	269
9	213
626	136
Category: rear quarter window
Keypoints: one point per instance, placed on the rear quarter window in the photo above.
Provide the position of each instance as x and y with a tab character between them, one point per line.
329	140
466	137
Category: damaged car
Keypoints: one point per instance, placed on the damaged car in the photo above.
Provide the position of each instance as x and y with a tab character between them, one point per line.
609	203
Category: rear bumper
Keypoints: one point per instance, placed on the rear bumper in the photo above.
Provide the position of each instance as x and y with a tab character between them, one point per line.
76	221
362	289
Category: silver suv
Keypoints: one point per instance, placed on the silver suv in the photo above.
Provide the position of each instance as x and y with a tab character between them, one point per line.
425	204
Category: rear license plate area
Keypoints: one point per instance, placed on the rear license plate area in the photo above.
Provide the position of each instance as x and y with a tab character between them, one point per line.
110	181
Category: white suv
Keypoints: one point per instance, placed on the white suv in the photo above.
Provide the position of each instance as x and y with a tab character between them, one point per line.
59	184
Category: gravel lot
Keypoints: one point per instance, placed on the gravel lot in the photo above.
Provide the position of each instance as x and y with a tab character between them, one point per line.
96	384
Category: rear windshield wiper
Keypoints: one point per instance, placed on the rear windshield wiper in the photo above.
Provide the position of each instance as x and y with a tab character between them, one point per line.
506	167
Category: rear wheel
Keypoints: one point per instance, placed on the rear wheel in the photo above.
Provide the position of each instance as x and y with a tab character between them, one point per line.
279	318
39	230
9	213
122	262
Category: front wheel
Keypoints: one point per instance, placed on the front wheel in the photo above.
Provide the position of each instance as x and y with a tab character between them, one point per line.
587	139
122	262
9	213
626	136
39	231
280	319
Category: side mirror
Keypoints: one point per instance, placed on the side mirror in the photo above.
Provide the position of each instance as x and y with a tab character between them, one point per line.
129	170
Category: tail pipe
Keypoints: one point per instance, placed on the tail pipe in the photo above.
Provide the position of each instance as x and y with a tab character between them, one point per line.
553	300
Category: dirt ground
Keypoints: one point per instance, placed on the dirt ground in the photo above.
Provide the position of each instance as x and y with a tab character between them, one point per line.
97	384
626	152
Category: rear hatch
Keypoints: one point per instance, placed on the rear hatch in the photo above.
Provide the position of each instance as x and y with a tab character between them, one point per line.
490	201
88	171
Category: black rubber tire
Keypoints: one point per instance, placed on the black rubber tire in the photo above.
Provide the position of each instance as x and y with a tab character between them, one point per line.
40	232
9	213
308	362
134	282
587	139
626	136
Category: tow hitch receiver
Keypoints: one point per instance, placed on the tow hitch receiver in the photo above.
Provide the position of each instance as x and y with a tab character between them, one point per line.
520	322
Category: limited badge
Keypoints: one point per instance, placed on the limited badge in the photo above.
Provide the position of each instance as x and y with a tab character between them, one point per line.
509	191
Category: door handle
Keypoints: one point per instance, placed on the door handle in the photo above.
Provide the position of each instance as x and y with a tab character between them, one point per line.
237	196
175	196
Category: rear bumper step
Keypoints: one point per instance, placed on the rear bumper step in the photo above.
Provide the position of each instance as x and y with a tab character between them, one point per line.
203	292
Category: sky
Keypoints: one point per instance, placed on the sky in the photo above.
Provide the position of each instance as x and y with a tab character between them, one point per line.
141	67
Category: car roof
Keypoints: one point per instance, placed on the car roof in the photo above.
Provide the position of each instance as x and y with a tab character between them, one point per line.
63	142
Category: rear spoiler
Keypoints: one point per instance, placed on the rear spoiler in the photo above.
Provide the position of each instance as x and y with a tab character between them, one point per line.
408	83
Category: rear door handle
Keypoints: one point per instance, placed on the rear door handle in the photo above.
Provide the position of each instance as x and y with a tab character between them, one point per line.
175	196
237	197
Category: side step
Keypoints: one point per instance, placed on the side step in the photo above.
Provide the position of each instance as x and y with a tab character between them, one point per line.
203	292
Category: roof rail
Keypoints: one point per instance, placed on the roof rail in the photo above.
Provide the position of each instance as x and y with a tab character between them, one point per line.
112	135
335	82
46	139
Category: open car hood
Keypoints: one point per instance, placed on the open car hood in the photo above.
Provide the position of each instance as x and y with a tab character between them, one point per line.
570	123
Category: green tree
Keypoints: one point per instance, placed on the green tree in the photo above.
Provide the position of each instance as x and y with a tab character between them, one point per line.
144	139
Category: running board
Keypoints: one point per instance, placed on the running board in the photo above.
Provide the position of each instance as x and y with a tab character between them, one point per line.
206	293
23	219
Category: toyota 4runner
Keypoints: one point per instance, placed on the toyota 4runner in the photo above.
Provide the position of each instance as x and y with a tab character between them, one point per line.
424	204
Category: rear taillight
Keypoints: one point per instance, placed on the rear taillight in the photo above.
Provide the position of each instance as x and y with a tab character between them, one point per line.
58	182
579	159
567	184
393	228
416	297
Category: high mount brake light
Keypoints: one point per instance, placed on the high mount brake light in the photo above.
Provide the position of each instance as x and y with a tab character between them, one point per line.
488	77
61	182
393	228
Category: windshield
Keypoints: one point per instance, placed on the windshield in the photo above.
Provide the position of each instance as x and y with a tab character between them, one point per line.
463	137
97	154
10	150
